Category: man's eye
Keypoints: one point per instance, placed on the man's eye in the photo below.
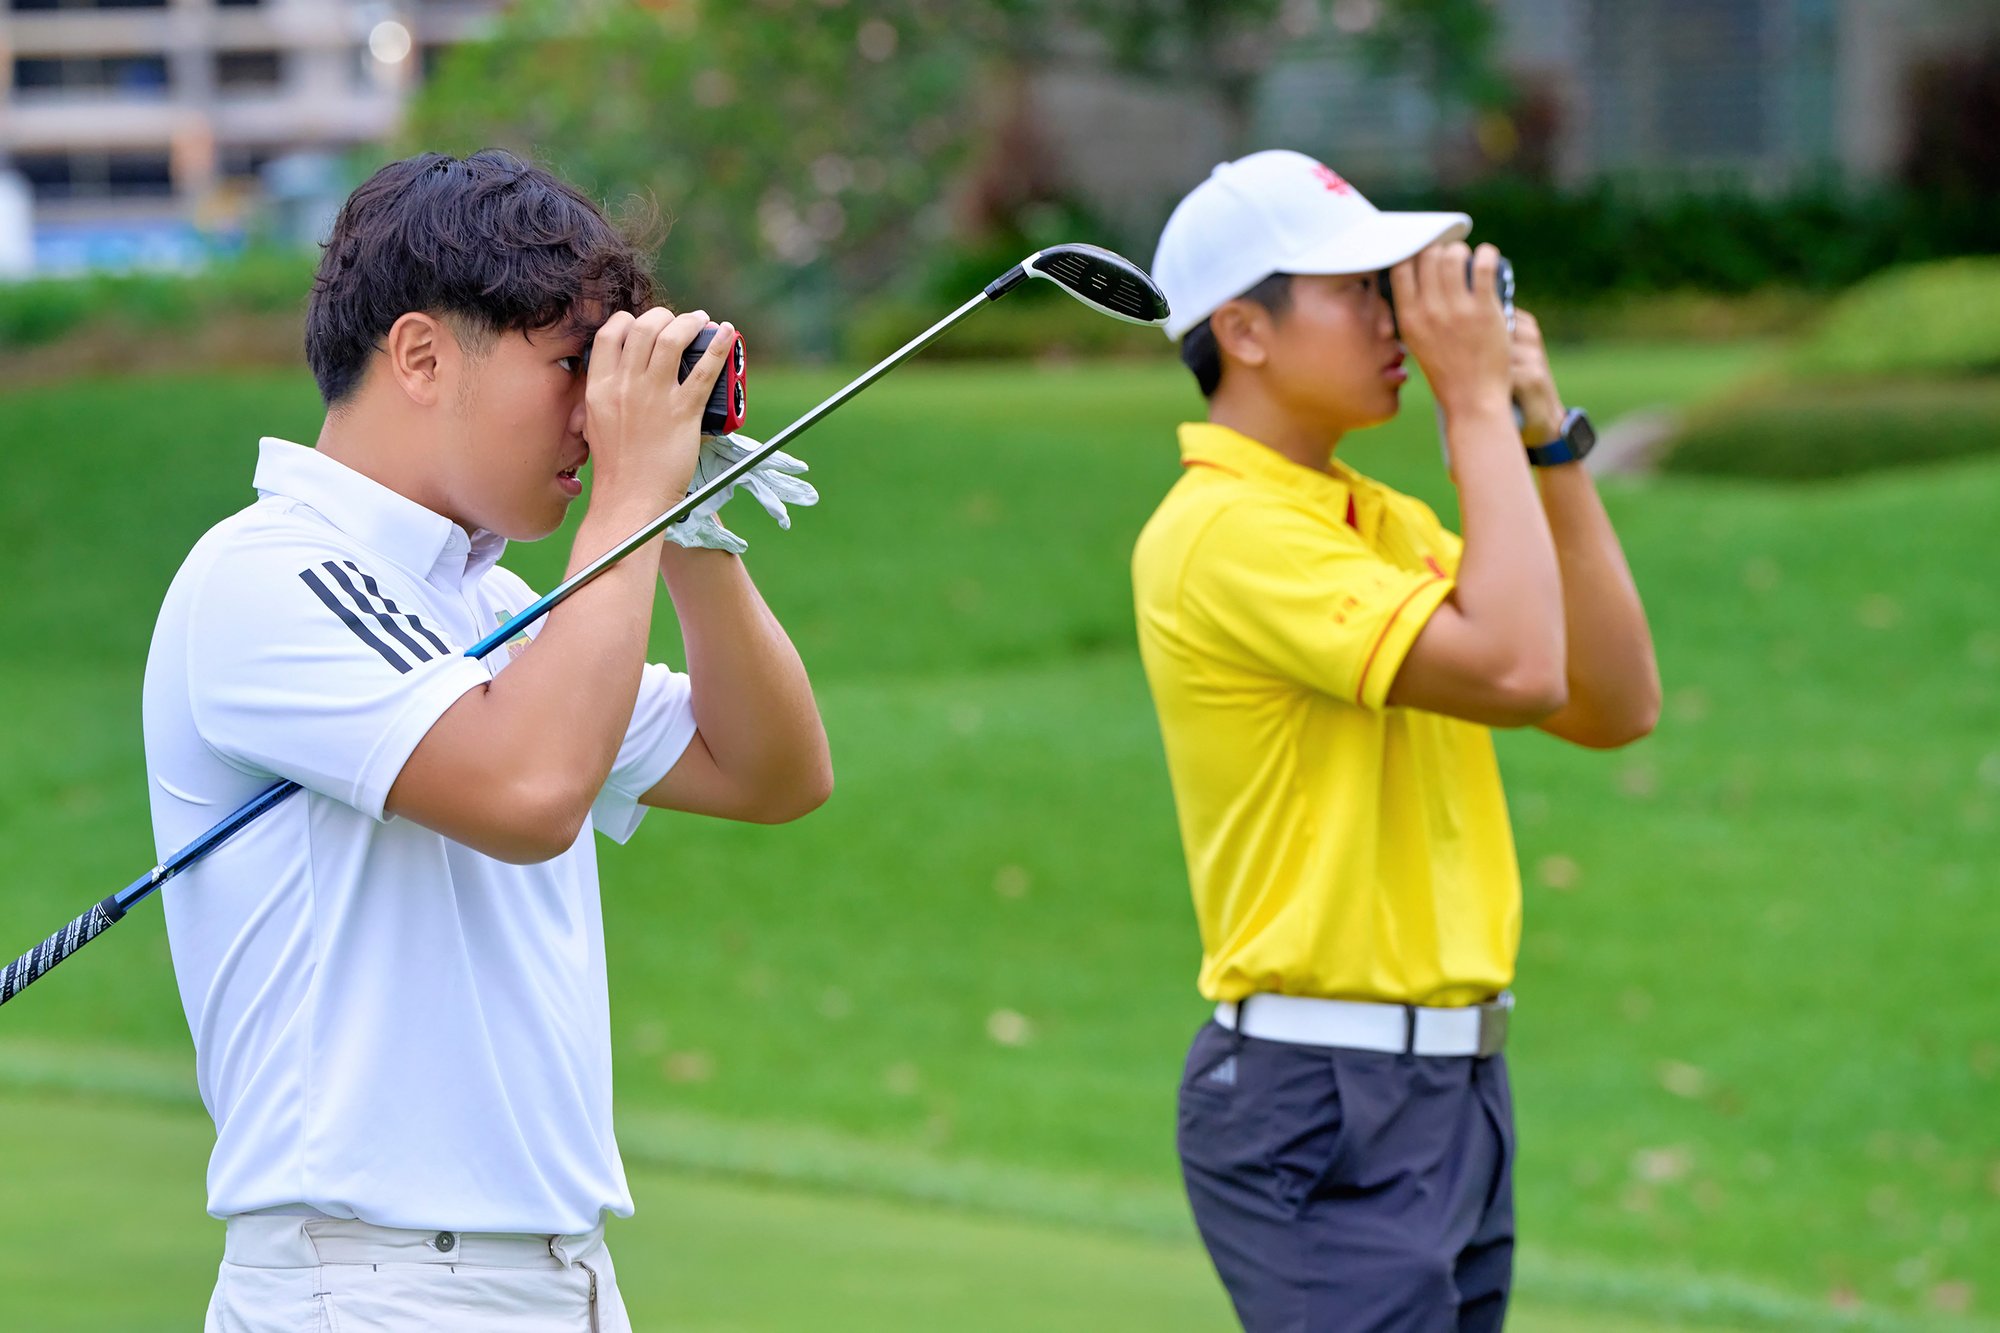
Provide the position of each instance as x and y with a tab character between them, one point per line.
574	364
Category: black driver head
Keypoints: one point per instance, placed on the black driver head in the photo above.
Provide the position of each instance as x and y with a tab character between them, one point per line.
1102	280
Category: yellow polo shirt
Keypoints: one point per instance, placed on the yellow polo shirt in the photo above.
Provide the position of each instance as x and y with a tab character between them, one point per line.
1336	846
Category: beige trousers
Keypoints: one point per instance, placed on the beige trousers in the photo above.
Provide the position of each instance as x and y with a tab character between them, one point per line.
284	1274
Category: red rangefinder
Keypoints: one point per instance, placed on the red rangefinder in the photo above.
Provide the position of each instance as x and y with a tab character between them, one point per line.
730	402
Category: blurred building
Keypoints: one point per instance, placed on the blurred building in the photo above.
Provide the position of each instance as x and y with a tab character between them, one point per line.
145	128
1762	94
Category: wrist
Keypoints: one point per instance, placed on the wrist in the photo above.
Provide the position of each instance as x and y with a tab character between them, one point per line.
616	516
675	558
1480	424
1486	402
1541	417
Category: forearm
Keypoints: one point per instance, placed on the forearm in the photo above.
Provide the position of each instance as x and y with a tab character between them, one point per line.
1614	681
570	696
752	701
512	768
1507	576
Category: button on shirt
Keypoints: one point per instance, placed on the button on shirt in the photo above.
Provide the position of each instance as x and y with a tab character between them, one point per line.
1336	846
387	1024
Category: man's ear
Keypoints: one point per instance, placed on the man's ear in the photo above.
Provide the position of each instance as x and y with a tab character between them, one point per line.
421	352
1242	331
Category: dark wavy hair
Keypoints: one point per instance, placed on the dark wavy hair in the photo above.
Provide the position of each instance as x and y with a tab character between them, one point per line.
489	242
1198	350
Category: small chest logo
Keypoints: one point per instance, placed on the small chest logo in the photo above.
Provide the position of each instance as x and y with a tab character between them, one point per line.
519	643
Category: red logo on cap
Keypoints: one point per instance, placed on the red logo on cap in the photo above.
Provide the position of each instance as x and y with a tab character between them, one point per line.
1331	179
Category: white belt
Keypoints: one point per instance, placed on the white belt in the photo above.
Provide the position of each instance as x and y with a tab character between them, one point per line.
271	1239
1402	1029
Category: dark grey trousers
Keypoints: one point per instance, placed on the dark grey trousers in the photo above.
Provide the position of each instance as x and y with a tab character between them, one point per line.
1343	1191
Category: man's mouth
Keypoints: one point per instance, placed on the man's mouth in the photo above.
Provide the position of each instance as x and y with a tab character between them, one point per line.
567	478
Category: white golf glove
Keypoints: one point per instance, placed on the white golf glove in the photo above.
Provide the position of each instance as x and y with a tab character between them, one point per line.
775	483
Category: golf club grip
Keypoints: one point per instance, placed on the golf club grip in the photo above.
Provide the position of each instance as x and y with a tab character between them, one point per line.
37	962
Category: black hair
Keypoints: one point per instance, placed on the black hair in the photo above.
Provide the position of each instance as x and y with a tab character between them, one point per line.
1198	350
489	242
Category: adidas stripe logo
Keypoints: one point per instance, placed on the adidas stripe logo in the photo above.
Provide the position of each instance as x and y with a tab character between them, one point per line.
398	636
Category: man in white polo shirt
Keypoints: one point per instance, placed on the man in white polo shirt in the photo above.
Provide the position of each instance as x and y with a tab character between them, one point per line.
395	980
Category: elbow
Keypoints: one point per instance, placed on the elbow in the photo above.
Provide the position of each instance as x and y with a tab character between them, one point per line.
1634	724
540	824
808	790
1530	694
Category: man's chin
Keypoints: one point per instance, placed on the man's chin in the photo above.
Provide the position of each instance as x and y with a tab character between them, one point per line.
530	527
1382	413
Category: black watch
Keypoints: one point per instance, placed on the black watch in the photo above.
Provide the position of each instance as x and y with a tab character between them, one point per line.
1576	439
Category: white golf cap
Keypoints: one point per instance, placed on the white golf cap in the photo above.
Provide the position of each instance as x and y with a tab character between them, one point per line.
1279	212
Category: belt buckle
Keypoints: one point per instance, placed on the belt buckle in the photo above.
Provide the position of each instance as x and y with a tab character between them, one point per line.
1493	1018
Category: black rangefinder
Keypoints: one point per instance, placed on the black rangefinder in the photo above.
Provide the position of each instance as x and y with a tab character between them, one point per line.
1503	286
730	402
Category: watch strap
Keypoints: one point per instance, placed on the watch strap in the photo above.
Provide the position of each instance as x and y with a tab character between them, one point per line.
1573	443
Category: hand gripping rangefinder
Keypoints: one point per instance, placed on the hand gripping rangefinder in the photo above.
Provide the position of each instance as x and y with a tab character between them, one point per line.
1503	286
730	402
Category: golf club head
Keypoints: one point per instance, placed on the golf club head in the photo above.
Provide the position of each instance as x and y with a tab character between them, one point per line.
1108	283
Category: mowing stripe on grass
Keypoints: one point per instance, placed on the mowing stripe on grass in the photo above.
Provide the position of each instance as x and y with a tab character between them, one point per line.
825	1162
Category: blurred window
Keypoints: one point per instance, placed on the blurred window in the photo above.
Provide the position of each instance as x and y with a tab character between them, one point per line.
239	163
40	5
249	71
97	175
138	76
1713	59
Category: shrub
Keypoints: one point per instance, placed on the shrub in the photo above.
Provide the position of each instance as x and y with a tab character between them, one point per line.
1928	319
43	310
1797	431
1034	322
1587	244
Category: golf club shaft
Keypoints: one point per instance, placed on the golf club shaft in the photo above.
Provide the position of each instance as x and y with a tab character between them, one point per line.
31	966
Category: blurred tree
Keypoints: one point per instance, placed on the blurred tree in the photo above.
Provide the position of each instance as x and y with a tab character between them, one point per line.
1219	51
1448	44
1224	48
795	147
803	150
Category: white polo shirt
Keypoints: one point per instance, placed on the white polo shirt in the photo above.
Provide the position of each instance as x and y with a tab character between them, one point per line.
387	1024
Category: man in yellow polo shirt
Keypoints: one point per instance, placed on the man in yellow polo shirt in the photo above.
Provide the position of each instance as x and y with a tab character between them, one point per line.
1327	660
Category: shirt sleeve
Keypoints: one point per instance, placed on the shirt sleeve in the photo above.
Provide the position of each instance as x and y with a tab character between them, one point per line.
1282	590
308	664
662	727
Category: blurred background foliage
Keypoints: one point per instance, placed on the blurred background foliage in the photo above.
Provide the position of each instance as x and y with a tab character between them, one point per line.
834	176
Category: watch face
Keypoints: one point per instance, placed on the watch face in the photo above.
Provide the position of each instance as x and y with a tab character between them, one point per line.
1580	433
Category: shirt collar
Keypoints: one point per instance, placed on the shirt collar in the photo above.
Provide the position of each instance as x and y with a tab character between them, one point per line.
1340	489
424	542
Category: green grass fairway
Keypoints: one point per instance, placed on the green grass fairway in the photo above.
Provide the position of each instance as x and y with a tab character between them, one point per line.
1756	1061
701	1255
